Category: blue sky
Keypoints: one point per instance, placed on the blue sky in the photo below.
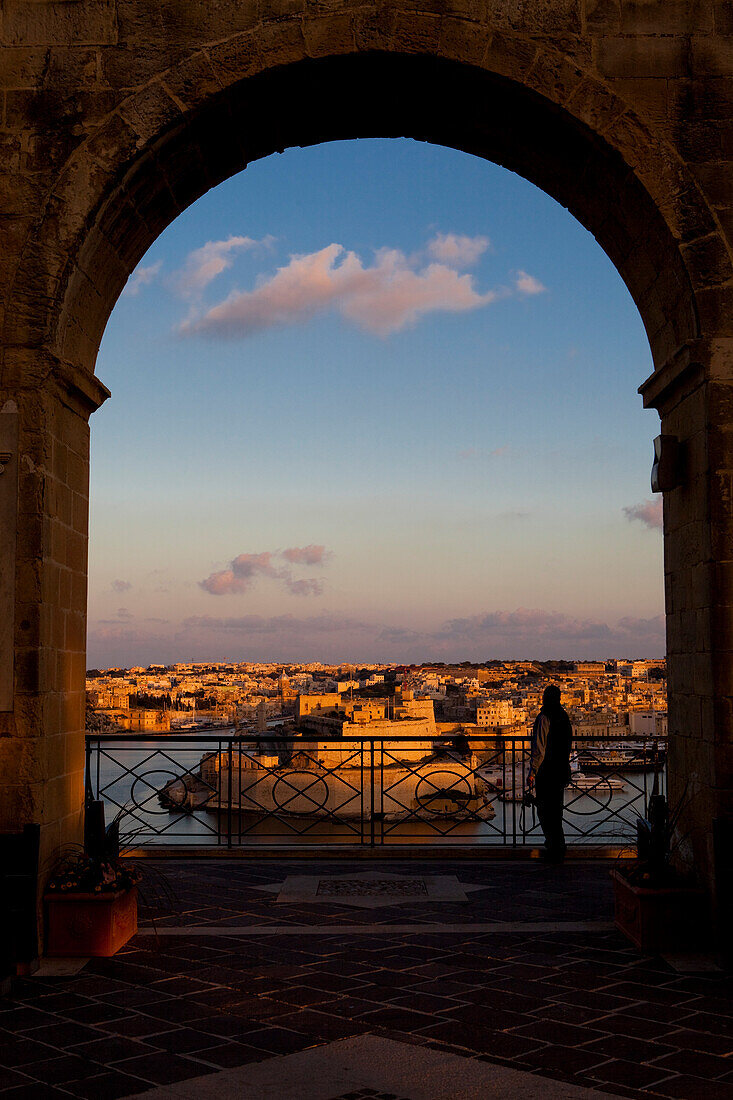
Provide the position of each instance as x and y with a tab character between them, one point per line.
373	400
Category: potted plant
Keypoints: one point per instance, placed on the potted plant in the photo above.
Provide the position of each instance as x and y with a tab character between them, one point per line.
654	907
91	896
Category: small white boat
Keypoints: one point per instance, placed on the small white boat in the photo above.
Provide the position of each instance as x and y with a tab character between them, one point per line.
597	784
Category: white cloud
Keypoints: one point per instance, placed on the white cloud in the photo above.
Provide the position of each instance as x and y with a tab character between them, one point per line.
649	512
205	263
457	250
383	298
527	284
141	277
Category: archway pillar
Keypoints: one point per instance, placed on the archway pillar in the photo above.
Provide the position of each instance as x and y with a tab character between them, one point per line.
44	544
694	396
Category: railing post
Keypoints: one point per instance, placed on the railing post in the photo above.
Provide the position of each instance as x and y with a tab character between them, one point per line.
230	762
362	783
87	770
372	798
514	792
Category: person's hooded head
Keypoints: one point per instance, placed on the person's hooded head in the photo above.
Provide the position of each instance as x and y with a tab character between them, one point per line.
551	697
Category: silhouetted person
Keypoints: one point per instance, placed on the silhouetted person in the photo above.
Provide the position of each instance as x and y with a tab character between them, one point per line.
461	745
549	770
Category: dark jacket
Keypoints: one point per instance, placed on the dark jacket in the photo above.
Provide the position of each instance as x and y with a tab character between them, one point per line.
552	737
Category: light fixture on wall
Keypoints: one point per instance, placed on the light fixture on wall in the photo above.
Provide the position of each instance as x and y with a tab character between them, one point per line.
666	465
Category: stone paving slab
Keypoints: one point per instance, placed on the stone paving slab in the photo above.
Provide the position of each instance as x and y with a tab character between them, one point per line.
371	889
530	976
497	927
372	1067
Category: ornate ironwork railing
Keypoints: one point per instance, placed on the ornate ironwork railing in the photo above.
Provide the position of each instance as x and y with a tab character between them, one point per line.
282	791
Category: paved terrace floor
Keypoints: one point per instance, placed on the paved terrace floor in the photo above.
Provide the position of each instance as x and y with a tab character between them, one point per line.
327	980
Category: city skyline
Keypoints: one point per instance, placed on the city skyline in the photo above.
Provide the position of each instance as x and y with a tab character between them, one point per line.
374	401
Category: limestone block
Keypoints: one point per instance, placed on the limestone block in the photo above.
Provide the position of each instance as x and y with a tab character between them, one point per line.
462	40
9	535
603	16
329	34
722	726
58	23
509	55
75	752
417	32
711	56
648	98
722	667
552	76
538	16
23	66
20	804
655	57
666	16
708	261
75	633
191	82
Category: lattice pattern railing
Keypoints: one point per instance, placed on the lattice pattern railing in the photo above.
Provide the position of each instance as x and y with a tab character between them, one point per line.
228	791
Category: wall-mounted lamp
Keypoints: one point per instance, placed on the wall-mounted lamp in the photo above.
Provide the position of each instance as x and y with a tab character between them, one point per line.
5	457
667	462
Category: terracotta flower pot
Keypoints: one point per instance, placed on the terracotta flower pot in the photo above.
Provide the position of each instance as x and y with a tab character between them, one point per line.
89	924
658	919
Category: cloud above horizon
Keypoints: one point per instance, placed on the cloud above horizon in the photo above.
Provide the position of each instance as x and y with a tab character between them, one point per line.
245	569
392	293
307	555
211	259
536	629
121	586
530	633
649	512
277	624
141	277
456	249
527	284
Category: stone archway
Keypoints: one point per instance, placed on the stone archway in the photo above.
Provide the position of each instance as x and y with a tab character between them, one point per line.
117	118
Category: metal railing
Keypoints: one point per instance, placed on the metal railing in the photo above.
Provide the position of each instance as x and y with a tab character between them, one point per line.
231	791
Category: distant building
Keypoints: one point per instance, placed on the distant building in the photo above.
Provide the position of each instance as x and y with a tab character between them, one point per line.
647	723
139	720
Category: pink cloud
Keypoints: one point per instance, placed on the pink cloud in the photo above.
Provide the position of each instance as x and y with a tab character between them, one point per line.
307	555
142	277
527	284
457	250
649	512
223	583
278	624
383	298
240	575
205	263
303	587
246	568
